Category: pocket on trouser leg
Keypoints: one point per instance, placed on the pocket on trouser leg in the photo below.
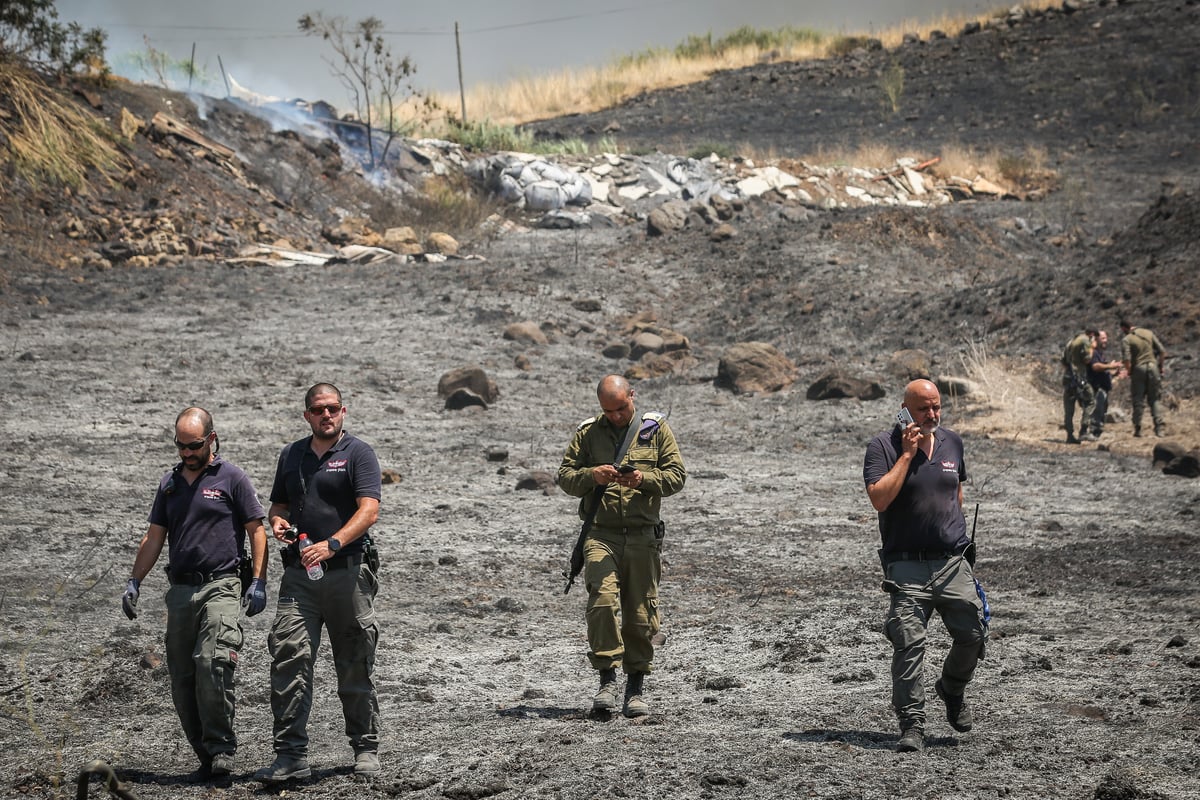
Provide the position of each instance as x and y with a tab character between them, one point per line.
903	631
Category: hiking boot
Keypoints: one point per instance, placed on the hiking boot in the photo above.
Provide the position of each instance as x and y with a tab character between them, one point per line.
958	713
1137	432
366	764
221	765
285	768
1088	437
1160	431
606	697
912	740
1071	438
635	705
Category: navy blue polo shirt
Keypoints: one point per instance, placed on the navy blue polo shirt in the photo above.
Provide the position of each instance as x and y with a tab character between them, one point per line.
206	520
925	514
322	494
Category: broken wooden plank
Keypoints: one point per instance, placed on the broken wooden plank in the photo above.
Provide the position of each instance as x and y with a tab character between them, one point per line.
165	123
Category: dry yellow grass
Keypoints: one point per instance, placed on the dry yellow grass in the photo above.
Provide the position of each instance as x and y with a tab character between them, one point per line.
591	89
49	139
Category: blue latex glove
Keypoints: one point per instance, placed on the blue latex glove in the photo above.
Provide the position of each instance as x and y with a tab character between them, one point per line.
130	598
255	599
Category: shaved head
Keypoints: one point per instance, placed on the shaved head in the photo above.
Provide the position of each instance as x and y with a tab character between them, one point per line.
616	399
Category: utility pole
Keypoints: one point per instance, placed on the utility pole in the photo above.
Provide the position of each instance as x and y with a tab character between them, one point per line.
462	95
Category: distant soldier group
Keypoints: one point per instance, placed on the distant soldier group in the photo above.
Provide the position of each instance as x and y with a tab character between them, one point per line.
1088	376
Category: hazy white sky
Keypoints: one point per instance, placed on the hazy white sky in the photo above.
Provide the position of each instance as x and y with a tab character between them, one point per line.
259	44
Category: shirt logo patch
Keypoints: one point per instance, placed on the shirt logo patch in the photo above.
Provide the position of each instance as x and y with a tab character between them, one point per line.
949	466
336	464
213	494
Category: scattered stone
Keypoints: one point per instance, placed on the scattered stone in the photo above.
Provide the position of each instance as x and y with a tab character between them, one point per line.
497	453
670	216
749	367
511	606
721	683
909	365
150	660
523	363
537	480
464	398
1177	641
526	331
442	243
391	476
469	377
835	384
616	350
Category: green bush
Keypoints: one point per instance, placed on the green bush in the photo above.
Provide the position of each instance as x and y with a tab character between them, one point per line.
31	33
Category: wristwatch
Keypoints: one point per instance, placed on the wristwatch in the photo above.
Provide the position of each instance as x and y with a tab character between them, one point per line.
334	544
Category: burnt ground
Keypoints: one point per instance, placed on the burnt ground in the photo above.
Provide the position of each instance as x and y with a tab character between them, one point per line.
774	677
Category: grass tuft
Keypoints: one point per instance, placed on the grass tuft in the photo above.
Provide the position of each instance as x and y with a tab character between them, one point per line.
51	141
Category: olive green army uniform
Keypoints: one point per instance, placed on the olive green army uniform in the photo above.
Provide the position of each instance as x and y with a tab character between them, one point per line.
1143	351
622	562
1076	361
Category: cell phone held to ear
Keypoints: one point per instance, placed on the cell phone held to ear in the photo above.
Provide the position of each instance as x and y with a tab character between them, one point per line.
904	419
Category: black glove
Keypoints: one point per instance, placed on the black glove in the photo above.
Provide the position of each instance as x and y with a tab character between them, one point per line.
130	598
255	599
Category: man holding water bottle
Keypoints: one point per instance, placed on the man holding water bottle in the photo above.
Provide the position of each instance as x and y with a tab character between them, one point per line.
327	488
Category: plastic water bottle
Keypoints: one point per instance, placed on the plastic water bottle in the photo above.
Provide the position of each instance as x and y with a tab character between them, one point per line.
316	571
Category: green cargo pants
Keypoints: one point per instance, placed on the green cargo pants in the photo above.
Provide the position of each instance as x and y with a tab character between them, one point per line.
622	570
342	601
204	638
1145	388
924	588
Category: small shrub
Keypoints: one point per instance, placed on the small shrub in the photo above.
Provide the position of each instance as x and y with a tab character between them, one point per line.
892	84
448	205
703	150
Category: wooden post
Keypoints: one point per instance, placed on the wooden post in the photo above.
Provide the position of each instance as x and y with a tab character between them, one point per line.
462	95
192	66
224	77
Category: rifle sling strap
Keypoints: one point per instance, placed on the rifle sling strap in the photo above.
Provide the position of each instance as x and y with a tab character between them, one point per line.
599	490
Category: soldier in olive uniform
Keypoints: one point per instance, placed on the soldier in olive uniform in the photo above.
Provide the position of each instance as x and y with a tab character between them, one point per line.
1076	361
1144	356
622	551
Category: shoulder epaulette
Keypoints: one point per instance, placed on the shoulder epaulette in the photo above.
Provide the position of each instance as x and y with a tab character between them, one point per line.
586	423
651	422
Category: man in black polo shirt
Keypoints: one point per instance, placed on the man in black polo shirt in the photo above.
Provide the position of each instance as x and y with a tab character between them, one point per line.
204	510
914	475
327	486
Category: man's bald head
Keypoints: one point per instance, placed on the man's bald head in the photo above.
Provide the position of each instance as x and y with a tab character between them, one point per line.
616	399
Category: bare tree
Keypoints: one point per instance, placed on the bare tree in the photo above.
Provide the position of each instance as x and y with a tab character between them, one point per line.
378	83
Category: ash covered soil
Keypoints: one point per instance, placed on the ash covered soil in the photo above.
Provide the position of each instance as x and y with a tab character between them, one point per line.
773	681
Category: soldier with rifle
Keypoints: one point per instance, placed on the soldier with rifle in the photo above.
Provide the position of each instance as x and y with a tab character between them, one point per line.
621	464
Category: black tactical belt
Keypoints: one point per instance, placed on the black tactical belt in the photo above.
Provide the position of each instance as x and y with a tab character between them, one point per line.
634	531
199	578
290	559
920	555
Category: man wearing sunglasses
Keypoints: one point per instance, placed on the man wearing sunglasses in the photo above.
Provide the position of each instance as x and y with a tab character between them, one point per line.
327	486
204	511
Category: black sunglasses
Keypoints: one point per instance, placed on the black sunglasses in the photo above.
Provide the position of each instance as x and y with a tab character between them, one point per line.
319	411
191	445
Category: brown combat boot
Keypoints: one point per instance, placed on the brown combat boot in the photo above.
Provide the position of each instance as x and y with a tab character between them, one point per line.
635	705
606	697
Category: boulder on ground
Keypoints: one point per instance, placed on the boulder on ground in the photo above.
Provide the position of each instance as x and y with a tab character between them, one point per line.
909	365
527	331
836	384
469	377
749	367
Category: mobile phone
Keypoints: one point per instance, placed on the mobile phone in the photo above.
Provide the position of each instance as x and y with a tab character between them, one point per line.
904	419
625	469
